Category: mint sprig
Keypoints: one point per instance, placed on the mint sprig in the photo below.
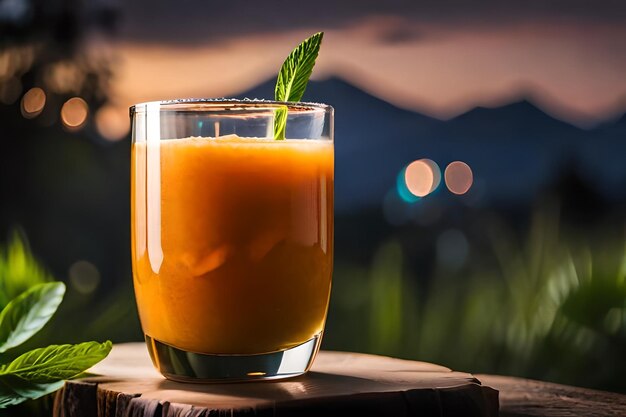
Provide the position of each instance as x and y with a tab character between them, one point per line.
293	78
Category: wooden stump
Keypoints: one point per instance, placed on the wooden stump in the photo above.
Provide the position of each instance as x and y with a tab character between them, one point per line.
338	384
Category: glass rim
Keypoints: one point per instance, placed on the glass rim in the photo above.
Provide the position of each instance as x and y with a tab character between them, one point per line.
230	104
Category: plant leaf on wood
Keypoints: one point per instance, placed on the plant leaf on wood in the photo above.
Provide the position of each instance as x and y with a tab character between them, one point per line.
55	362
28	302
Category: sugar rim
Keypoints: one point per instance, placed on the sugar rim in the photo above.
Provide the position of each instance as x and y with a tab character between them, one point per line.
233	102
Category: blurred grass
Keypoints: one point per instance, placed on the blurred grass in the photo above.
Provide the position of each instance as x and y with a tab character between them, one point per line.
18	269
552	306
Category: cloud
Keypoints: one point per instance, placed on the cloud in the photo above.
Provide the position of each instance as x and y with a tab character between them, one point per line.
572	70
441	58
201	21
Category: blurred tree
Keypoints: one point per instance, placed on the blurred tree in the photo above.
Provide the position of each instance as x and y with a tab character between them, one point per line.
58	177
43	45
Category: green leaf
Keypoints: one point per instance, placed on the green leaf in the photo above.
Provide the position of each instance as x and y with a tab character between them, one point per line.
280	122
28	313
56	362
293	78
296	70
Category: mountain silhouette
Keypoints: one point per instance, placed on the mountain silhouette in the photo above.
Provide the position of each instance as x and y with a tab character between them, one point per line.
515	150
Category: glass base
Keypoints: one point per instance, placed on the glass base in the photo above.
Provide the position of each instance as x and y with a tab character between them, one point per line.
183	366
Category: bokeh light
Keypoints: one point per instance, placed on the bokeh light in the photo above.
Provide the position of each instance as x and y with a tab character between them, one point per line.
419	178
84	277
64	77
74	113
402	190
15	61
459	177
436	172
112	122
33	102
422	177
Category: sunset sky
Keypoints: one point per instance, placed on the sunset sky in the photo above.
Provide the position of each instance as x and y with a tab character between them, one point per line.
440	58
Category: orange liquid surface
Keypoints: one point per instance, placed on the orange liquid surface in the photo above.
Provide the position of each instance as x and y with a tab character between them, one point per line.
232	241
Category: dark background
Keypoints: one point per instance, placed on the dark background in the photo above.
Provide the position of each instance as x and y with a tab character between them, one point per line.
525	274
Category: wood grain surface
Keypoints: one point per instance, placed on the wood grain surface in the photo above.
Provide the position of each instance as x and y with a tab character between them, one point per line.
526	397
339	384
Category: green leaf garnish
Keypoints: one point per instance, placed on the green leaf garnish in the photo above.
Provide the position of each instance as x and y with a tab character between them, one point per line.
280	122
293	78
296	70
26	314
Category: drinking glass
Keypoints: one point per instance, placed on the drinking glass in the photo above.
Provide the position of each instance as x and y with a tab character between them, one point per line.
232	235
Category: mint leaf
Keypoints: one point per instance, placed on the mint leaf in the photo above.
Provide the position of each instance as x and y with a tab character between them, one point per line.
56	362
293	78
296	70
26	314
280	122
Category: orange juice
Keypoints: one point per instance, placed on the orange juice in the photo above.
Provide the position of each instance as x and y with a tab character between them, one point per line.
232	241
